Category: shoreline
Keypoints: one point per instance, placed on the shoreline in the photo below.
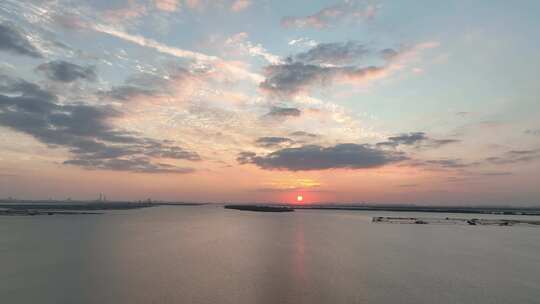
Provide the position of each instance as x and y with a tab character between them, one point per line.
9	207
31	208
453	221
429	209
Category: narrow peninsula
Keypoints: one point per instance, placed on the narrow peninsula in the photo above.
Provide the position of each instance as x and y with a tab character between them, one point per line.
260	208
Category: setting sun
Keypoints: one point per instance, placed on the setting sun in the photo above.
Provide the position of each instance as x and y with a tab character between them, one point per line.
299	198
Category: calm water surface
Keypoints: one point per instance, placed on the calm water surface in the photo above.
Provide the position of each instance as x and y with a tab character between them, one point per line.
211	255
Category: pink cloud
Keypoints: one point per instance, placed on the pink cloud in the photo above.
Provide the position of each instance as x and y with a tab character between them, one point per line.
167	5
240	5
194	3
347	10
131	11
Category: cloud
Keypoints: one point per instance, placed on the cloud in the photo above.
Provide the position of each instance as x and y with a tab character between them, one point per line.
138	164
15	41
83	129
240	5
533	132
142	41
504	173
127	92
283	112
173	5
240	44
435	143
408	138
445	163
303	42
194	3
268	142
476	176
315	189
292	78
314	157
333	53
515	156
303	134
455	179
331	63
167	5
419	139
292	184
407	185
349	10
69	21
64	71
131	10
231	67
170	84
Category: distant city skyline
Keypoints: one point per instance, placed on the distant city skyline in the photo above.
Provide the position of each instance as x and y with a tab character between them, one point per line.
271	101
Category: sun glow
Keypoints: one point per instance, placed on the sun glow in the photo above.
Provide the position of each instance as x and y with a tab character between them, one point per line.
299	198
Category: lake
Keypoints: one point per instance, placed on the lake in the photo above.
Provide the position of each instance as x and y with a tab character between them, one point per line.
207	254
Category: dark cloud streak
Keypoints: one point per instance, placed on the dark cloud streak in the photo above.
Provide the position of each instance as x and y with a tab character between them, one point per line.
293	77
15	42
320	66
418	139
268	142
283	112
303	134
83	129
333	53
314	157
515	157
535	132
64	71
127	92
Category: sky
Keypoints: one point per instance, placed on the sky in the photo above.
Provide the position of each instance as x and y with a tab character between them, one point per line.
424	102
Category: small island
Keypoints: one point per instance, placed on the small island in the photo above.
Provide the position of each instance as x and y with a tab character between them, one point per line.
260	208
